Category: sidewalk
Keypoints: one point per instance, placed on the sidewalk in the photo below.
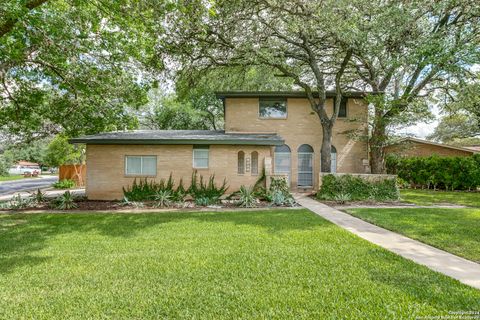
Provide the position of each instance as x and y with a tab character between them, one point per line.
463	270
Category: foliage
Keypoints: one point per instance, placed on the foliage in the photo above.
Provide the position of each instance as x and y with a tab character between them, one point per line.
64	184
206	191
31	151
145	190
73	67
279	192
342	198
163	198
452	230
246	197
455	126
65	201
59	152
17	203
450	173
357	188
4	166
38	196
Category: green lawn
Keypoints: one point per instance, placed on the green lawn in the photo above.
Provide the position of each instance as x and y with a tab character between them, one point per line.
453	230
281	264
430	197
11	178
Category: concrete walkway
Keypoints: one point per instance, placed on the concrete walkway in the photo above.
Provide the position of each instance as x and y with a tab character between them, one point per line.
463	270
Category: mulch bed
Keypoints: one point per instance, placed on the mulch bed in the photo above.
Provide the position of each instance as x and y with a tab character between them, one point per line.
97	205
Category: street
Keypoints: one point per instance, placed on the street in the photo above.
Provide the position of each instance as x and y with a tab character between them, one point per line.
9	187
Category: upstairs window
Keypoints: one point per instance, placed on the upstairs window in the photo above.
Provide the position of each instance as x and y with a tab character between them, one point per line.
200	157
342	112
272	108
141	165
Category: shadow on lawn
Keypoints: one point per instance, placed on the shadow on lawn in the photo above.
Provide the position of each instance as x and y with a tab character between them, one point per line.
21	235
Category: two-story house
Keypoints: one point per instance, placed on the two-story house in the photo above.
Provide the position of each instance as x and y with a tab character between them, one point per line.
272	132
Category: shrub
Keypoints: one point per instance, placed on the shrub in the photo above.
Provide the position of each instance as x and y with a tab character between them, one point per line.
65	201
64	184
16	203
145	190
279	192
206	193
162	198
357	188
247	197
451	173
38	196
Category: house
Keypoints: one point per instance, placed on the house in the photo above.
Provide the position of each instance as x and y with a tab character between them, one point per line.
272	132
25	167
413	147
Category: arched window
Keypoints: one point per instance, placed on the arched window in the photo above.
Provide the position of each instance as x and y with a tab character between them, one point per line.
241	162
254	157
305	166
282	160
334	160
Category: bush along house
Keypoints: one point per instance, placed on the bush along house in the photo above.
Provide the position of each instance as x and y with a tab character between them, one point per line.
266	133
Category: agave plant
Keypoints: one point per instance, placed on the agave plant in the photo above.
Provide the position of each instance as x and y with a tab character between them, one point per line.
38	196
247	197
65	201
163	198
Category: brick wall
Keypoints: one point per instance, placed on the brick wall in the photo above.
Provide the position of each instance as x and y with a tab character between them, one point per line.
302	126
106	166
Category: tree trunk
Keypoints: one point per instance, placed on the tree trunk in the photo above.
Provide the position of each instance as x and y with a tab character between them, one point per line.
326	150
377	144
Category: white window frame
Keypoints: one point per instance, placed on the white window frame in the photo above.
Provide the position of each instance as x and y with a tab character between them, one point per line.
141	166
195	150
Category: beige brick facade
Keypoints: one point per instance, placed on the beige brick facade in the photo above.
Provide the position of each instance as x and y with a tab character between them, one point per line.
302	126
106	166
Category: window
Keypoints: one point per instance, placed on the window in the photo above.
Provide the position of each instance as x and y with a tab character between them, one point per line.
282	160
254	157
342	112
200	157
305	166
272	108
333	160
141	165
241	162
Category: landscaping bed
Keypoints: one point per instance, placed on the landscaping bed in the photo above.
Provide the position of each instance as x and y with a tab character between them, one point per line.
274	264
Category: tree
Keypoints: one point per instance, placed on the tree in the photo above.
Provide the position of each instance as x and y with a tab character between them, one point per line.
298	40
73	66
455	126
168	113
406	51
60	151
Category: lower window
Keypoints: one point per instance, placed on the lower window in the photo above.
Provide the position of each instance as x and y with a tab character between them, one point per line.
141	165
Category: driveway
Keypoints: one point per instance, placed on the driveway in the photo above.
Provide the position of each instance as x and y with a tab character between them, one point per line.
9	187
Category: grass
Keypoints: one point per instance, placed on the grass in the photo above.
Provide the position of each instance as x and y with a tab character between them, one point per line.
11	178
278	264
453	230
430	197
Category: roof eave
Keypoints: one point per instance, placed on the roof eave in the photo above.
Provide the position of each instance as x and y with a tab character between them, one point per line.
286	94
262	142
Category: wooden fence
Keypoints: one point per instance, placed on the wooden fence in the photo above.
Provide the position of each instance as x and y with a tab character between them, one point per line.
76	172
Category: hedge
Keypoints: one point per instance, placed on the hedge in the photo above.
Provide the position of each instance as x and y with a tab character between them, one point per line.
348	187
450	173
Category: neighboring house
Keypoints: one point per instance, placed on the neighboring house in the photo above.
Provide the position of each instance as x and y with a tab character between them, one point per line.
274	132
413	147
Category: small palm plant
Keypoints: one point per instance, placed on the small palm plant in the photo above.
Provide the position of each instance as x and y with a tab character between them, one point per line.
247	197
38	196
163	198
65	201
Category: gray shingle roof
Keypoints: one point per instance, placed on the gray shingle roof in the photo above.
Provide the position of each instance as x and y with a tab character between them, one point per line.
288	94
180	137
